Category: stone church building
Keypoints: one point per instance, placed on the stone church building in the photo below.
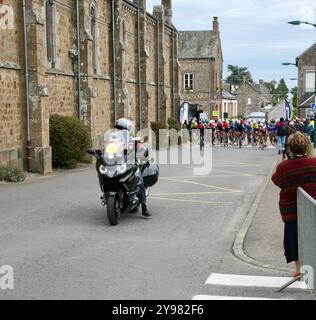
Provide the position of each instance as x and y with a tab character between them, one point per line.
126	65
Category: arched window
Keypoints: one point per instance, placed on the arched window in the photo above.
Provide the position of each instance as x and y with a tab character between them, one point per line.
50	34
93	15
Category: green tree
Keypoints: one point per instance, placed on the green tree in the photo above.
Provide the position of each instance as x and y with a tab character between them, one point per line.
282	89
237	75
272	85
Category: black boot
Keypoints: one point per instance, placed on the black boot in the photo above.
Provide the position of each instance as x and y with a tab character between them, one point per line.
145	212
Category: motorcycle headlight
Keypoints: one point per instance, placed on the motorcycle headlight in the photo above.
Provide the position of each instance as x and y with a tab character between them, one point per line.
122	168
103	169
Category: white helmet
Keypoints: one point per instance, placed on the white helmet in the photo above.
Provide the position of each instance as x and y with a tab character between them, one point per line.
124	124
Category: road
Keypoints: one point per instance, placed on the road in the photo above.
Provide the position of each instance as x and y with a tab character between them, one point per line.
55	234
278	112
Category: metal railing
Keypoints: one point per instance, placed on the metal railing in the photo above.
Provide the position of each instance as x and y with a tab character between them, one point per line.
306	206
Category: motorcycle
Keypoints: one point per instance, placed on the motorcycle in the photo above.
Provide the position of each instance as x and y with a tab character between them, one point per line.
119	175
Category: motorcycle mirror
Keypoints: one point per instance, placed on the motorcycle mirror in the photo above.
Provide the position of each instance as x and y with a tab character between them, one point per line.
98	152
91	151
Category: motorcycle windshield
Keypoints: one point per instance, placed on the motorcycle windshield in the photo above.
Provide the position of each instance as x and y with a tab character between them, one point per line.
113	148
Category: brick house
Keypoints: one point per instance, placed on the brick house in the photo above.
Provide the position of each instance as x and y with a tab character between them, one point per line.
201	69
252	97
126	66
306	63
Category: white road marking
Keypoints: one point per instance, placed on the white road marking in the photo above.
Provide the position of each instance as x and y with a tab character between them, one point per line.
192	201
210	176
202	184
206	297
252	281
187	193
234	172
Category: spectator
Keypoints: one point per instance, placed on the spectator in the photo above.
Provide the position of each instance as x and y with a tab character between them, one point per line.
313	126
281	135
298	171
309	128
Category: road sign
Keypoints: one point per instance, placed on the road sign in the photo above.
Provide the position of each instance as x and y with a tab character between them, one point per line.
215	113
313	106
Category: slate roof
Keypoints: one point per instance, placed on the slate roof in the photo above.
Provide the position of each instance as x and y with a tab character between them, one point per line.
228	96
197	44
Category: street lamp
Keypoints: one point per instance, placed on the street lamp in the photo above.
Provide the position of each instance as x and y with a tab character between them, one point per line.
297	23
289	64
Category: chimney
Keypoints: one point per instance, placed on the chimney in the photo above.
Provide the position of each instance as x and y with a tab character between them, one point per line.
215	24
141	4
167	4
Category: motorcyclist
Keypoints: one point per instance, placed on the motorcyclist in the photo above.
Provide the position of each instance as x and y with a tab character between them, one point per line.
141	157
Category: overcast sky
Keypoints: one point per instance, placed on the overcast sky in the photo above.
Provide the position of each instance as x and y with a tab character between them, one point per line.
254	33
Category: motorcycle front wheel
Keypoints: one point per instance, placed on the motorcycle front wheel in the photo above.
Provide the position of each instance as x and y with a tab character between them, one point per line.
113	210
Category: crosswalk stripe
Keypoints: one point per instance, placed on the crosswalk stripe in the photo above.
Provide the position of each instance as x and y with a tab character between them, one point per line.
206	297
251	281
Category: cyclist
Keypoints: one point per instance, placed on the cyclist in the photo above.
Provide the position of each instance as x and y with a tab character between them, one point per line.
255	129
240	132
219	127
262	135
226	128
248	130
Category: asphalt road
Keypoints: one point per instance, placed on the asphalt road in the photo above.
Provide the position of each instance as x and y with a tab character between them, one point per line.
55	234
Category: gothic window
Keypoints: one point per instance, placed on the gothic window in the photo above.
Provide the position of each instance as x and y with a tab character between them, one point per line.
93	15
50	34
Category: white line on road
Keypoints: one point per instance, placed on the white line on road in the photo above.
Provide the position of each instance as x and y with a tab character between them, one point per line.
202	184
210	176
206	297
233	172
251	281
192	201
188	193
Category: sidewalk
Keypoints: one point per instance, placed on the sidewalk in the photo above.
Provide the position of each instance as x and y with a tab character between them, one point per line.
264	240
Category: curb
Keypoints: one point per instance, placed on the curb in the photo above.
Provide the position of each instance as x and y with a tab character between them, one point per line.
238	246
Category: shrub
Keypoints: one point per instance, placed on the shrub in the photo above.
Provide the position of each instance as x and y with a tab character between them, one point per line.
156	126
69	139
173	123
12	174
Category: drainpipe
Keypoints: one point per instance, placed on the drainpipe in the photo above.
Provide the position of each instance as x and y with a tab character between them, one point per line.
78	60
158	72
114	59
27	90
139	70
173	75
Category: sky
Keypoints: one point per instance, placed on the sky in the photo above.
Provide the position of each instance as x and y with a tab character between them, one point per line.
254	33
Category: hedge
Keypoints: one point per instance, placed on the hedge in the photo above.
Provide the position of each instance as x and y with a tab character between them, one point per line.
69	139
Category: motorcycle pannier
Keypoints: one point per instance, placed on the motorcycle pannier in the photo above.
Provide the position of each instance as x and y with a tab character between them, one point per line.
150	175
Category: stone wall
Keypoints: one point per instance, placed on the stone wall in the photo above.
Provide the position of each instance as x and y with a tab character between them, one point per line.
53	81
245	92
12	120
306	63
202	75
